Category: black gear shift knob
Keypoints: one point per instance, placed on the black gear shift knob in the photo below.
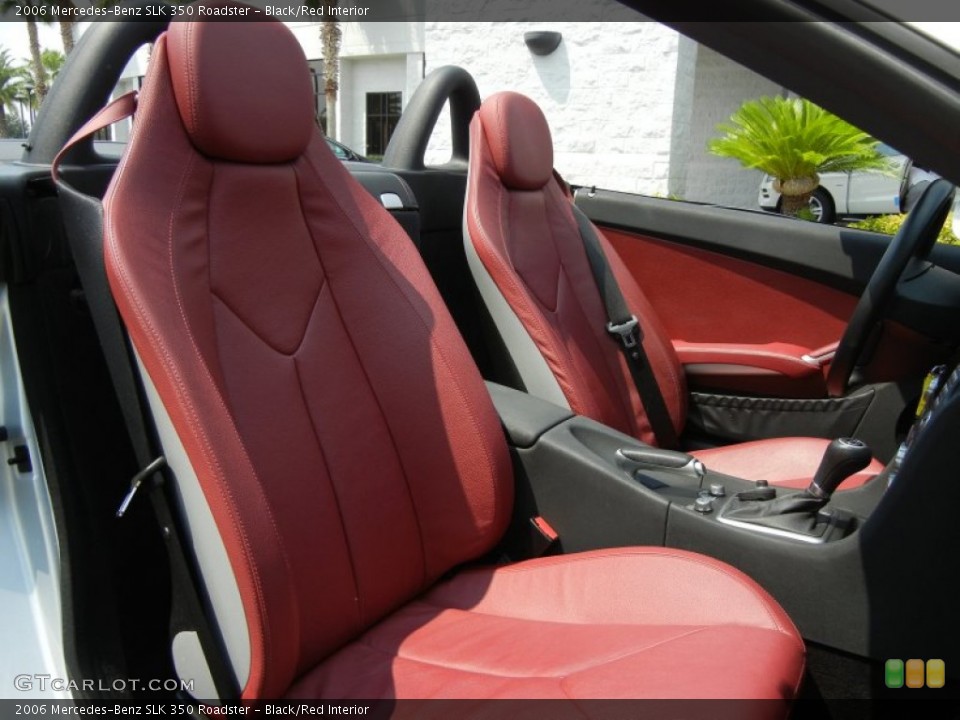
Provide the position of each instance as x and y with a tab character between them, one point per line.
843	458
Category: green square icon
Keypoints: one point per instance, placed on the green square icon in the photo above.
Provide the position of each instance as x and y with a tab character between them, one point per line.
893	673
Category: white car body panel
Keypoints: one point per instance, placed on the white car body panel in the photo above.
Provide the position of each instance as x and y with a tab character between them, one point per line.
30	623
874	193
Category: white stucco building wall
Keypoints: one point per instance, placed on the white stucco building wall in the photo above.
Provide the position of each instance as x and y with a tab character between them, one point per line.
709	97
365	75
631	105
374	57
608	96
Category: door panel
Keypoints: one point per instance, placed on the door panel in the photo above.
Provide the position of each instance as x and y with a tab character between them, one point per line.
753	305
738	326
754	302
833	256
703	296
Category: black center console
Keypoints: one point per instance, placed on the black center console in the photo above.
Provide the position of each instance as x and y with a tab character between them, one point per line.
838	563
599	487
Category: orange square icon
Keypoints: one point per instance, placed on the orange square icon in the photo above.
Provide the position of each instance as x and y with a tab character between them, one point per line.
936	673
915	673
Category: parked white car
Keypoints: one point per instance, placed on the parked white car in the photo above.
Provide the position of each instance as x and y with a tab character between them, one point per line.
857	194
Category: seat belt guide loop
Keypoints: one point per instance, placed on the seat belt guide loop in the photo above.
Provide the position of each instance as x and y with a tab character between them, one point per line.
627	331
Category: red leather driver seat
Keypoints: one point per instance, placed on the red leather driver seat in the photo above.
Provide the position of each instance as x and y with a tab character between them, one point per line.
528	260
346	455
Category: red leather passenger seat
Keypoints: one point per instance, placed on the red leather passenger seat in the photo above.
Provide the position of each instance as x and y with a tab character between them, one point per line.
341	435
527	257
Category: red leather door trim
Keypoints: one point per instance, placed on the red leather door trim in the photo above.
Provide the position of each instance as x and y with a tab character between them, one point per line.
703	296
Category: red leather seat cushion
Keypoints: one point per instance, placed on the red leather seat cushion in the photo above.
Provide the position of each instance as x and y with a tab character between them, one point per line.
622	623
785	462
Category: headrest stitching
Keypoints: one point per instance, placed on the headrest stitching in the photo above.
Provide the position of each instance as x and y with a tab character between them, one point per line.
192	77
502	132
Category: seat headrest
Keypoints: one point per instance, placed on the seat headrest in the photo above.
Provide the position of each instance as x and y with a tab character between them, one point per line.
239	105
519	140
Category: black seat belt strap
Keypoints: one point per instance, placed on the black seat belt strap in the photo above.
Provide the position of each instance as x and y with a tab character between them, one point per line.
83	220
625	328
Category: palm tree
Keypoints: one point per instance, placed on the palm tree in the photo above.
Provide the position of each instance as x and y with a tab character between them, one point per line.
793	140
31	20
67	24
10	89
330	36
52	62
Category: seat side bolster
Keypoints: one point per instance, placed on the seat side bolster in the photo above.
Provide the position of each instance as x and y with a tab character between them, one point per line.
216	573
536	375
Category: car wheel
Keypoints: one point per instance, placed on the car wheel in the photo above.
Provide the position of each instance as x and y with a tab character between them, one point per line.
822	207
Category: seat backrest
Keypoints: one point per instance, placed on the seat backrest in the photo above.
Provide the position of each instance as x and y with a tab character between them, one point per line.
528	259
294	345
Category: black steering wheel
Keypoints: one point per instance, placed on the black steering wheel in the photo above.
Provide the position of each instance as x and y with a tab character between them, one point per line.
903	258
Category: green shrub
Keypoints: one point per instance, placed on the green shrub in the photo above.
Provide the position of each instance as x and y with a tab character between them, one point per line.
890	224
793	141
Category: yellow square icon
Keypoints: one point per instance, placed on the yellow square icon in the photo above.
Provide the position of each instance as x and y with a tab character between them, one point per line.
914	673
936	673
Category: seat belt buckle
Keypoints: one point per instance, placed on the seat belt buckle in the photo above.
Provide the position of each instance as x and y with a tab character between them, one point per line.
627	331
544	540
152	467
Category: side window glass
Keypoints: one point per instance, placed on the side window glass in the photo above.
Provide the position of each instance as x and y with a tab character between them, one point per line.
670	118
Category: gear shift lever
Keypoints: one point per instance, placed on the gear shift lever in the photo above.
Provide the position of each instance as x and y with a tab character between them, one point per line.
843	458
798	513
